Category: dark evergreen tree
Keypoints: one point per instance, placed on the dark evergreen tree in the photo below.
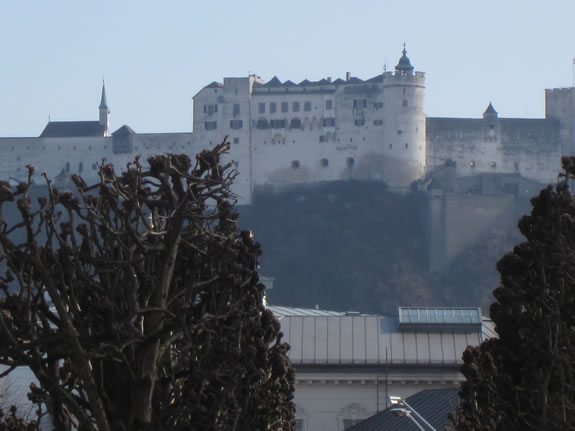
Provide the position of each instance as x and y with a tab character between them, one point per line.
136	303
524	379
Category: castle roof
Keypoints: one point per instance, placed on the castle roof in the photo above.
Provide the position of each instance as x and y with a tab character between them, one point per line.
71	129
124	131
214	84
490	110
404	64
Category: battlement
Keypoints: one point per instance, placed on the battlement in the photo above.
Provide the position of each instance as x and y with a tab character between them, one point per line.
416	77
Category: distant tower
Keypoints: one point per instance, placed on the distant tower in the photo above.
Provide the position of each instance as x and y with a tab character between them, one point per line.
404	141
104	112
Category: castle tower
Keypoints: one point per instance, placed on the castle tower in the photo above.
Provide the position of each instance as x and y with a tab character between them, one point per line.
104	118
404	143
560	106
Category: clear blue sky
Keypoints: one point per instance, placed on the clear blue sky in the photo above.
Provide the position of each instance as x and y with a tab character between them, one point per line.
156	55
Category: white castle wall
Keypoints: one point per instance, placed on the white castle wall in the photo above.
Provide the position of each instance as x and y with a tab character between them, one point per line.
374	129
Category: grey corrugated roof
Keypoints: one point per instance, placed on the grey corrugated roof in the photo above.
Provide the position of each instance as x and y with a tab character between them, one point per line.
434	405
66	129
280	311
319	337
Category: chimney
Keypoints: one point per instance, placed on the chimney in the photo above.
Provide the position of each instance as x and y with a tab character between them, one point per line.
347	76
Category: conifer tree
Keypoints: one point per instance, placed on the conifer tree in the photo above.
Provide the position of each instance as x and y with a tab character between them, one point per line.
524	379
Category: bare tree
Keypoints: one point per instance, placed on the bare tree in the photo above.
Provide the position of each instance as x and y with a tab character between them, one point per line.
137	304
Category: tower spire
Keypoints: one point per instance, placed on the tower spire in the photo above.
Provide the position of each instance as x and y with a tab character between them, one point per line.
103	103
104	117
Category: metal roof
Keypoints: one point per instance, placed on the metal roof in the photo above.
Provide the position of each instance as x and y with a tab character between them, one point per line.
434	405
66	129
319	337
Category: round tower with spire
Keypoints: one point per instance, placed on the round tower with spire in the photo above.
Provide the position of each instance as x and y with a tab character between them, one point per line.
104	111
404	141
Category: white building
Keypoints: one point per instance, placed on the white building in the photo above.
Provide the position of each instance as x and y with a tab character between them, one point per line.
347	363
284	133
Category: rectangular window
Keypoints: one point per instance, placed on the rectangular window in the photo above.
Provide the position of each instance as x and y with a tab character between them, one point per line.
236	124
359	121
236	140
261	108
284	106
404	103
378	105
273	107
377	122
210	125
307	106
220	99
295	107
205	108
277	124
236	108
329	104
328	122
359	104
322	138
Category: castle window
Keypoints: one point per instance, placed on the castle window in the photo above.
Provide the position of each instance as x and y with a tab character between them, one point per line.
236	124
80	167
273	107
328	122
278	124
295	164
493	164
212	109
307	106
236	140
262	124
377	122
350	162
285	106
359	104
359	121
406	145
236	164
329	104
322	138
94	166
210	125
378	105
404	102
472	164
236	109
261	108
390	146
399	132
295	107
324	163
295	123
67	166
220	100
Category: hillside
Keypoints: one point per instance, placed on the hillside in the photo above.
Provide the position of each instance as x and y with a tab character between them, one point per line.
356	246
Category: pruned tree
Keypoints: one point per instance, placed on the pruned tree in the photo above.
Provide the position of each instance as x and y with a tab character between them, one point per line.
136	302
525	378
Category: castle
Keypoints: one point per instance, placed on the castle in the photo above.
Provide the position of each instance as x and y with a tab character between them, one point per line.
283	133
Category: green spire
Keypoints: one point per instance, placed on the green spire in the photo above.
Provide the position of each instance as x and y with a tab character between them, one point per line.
103	104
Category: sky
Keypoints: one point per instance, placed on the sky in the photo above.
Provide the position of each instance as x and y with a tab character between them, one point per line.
155	56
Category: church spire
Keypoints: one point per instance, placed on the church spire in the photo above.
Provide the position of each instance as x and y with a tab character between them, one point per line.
104	118
103	103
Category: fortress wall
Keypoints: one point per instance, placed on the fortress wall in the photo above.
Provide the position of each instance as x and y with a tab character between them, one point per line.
526	147
53	155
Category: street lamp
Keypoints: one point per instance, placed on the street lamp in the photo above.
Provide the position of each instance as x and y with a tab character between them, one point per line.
404	409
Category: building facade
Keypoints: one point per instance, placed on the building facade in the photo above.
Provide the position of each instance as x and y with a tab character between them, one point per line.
348	363
283	133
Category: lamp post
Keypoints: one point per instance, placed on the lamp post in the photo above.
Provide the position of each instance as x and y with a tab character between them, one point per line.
404	409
